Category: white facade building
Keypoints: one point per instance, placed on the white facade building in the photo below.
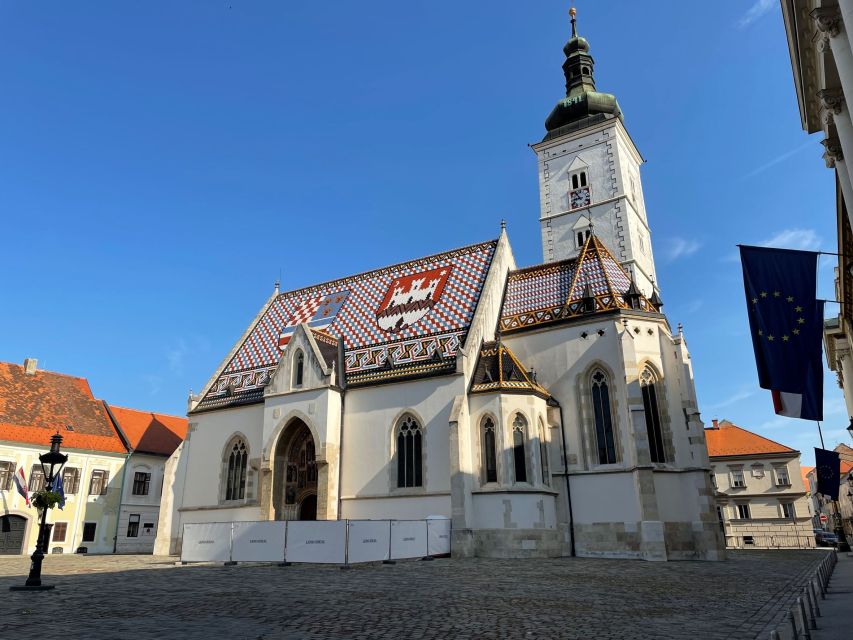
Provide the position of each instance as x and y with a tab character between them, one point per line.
762	501
509	400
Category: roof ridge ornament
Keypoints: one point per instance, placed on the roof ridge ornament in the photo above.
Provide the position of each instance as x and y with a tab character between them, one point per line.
573	13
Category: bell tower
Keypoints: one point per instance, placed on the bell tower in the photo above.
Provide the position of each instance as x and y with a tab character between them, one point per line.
589	173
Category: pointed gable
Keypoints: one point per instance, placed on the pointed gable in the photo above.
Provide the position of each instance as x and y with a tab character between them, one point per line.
499	370
556	291
408	319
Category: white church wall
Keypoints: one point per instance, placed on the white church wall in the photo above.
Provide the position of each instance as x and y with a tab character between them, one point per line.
502	510
370	420
167	541
209	434
402	508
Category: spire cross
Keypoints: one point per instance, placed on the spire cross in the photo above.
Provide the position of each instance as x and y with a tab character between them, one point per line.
573	12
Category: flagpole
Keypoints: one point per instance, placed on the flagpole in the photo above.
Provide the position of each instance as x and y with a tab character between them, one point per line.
820	433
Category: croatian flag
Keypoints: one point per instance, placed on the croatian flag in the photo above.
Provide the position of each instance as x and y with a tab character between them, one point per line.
21	484
786	323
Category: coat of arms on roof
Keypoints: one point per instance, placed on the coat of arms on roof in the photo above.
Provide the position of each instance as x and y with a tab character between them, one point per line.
410	298
318	312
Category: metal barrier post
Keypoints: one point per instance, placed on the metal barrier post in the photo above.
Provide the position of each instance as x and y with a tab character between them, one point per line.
806	633
346	566
285	563
390	560
231	562
426	537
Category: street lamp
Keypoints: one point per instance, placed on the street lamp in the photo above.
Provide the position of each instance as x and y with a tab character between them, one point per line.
51	465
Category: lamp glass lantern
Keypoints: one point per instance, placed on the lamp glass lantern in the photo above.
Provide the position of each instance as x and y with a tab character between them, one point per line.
53	461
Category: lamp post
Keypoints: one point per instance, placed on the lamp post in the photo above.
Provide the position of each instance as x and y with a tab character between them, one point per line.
51	465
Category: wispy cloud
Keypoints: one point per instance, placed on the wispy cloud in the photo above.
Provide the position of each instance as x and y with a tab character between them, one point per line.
758	9
780	158
680	248
804	239
694	305
176	356
732	399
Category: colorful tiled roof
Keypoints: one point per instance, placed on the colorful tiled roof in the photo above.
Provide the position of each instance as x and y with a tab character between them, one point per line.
148	432
35	406
407	319
727	439
557	290
499	370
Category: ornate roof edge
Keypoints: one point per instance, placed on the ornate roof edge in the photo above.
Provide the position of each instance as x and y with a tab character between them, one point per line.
233	352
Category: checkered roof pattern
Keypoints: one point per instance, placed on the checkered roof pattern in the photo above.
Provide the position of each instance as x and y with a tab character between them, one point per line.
355	323
557	283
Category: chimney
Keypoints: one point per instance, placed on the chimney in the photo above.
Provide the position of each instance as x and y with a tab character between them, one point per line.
30	366
715	423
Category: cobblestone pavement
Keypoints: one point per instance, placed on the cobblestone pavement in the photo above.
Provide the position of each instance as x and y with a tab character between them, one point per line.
144	597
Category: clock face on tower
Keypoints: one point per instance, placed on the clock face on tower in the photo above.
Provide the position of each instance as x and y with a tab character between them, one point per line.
579	198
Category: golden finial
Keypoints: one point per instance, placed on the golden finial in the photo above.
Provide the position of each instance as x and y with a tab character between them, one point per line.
573	13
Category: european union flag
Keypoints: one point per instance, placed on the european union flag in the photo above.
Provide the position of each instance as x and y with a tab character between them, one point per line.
59	487
786	322
828	471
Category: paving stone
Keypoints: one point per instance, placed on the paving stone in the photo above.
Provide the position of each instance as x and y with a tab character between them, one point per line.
146	597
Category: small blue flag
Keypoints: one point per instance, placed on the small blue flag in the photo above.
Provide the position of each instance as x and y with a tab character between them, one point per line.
60	489
786	323
828	470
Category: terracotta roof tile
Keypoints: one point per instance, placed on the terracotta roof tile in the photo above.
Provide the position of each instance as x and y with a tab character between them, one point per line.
804	472
728	439
35	406
149	432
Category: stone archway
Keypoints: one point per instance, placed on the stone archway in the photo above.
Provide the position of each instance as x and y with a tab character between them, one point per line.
295	474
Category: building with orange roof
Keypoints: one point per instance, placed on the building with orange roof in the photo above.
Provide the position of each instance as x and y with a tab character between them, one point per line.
151	438
109	449
35	404
762	498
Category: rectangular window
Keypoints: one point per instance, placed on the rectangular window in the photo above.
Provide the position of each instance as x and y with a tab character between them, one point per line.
133	525
98	483
36	478
782	479
7	470
89	531
59	531
141	482
743	511
788	510
714	480
70	480
738	481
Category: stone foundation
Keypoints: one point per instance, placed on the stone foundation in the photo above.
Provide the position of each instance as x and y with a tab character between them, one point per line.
508	543
650	540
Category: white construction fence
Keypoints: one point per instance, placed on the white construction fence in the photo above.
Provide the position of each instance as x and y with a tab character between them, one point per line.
321	541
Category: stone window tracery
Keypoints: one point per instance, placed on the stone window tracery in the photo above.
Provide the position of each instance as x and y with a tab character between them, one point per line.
490	460
409	453
298	368
519	454
235	483
603	418
648	383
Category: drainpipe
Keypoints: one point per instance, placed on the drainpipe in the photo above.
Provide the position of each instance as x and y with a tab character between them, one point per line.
342	383
552	402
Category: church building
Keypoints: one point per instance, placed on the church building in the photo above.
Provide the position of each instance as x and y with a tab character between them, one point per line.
547	410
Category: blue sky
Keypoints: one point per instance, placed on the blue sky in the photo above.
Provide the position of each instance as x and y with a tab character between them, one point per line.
161	163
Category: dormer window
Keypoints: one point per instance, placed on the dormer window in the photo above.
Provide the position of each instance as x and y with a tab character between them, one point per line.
581	237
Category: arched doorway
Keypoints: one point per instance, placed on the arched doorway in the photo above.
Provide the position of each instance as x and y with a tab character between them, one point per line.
12	529
295	497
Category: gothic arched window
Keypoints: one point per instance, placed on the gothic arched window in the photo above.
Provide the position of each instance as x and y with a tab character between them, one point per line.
602	415
543	454
490	458
648	383
235	482
409	453
298	368
519	455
